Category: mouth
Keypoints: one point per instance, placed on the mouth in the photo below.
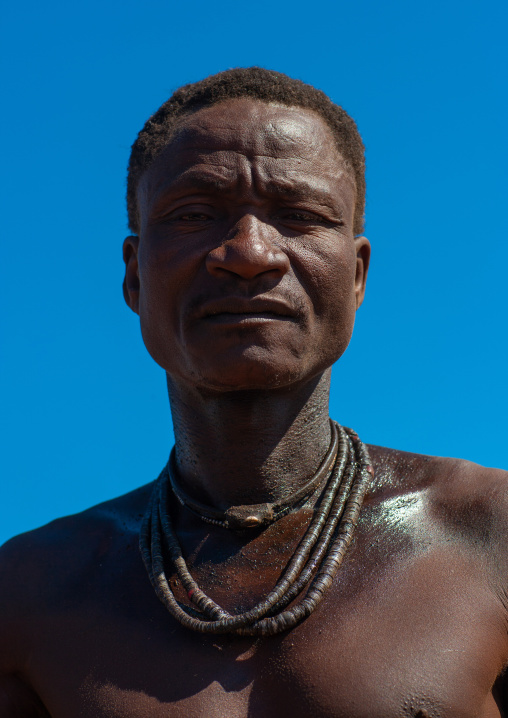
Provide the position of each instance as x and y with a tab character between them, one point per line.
240	310
246	317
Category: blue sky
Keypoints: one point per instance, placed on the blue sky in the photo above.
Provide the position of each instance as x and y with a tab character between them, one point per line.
85	413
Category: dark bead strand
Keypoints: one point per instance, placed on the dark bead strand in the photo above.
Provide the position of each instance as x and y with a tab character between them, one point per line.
175	553
161	584
297	562
333	561
294	568
195	594
159	580
325	577
223	625
291	617
157	522
323	543
323	580
277	626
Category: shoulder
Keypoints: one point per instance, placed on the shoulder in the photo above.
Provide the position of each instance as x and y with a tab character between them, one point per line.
455	485
454	476
42	569
465	500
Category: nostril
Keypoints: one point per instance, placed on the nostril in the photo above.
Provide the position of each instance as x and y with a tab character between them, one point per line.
249	252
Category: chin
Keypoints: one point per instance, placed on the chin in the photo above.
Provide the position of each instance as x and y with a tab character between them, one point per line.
247	368
245	375
264	382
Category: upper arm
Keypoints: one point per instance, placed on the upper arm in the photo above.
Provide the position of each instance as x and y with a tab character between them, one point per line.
472	506
11	609
472	503
496	486
17	699
493	485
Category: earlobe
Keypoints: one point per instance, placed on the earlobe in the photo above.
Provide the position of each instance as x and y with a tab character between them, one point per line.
362	267
131	279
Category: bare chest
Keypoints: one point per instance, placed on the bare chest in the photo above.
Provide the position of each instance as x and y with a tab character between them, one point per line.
419	637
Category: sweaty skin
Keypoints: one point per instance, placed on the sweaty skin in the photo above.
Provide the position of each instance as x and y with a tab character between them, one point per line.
246	277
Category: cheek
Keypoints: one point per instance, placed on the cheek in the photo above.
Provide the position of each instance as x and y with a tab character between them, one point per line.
332	293
156	302
331	270
161	276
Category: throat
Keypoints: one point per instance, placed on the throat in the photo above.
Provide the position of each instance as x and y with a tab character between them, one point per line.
247	516
249	448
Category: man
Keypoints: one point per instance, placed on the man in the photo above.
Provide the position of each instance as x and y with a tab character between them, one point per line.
246	267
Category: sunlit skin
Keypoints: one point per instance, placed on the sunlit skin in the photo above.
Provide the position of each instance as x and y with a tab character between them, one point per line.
246	277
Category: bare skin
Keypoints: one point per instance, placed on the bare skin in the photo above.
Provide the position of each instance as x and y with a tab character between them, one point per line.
247	287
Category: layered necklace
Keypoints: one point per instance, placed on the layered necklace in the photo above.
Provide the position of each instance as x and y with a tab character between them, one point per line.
346	473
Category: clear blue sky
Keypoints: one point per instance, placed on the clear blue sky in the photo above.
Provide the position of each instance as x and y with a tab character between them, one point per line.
84	410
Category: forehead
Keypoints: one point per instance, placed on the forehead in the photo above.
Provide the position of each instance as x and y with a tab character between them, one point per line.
264	128
245	136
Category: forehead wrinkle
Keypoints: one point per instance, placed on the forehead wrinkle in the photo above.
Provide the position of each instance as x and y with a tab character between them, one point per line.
299	190
322	186
202	174
221	168
298	134
296	189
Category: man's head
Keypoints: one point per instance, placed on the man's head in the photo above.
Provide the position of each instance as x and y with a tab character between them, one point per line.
246	272
255	83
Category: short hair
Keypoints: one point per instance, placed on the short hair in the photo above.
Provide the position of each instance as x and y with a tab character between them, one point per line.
256	83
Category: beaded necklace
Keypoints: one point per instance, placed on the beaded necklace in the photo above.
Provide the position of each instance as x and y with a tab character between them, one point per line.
315	562
254	515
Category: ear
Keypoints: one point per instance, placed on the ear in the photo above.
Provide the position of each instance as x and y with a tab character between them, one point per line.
362	267
131	279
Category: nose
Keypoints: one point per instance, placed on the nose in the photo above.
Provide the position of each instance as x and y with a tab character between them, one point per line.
248	251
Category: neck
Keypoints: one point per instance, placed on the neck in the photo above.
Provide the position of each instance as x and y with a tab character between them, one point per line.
249	447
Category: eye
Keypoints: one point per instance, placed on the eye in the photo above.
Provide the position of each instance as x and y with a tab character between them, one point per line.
302	216
190	216
306	220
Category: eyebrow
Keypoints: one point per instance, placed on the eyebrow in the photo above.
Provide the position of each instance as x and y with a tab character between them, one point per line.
196	180
301	190
207	180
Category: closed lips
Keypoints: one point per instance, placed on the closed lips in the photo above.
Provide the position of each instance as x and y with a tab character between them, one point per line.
240	305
